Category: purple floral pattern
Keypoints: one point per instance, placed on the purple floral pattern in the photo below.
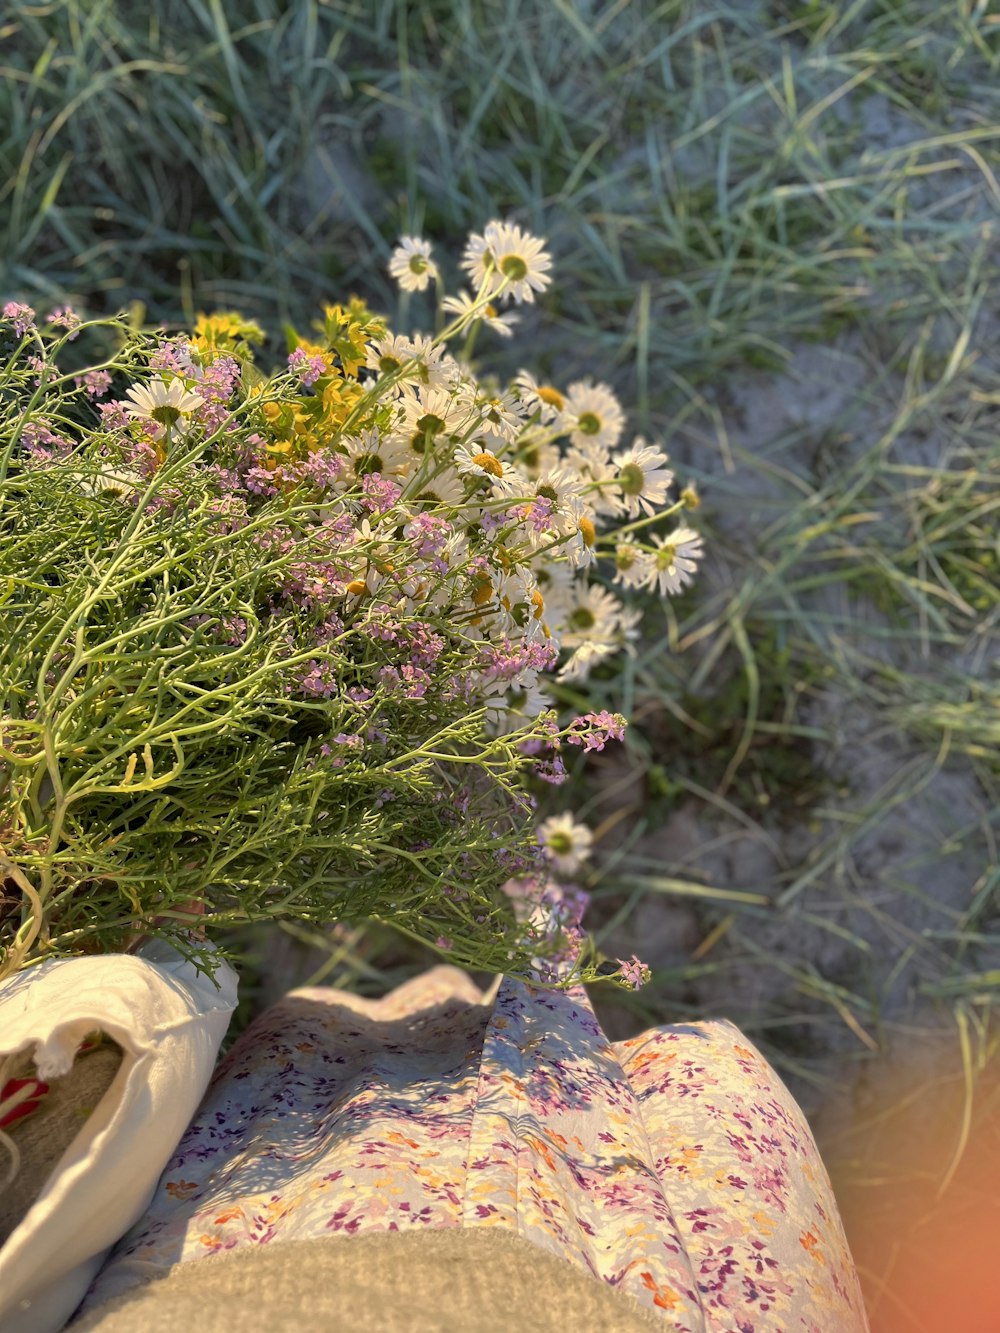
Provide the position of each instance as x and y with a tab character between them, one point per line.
675	1166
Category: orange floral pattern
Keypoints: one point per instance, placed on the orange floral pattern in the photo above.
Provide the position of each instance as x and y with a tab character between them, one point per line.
675	1166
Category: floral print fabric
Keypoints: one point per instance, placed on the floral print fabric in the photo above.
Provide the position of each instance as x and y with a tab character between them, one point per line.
675	1166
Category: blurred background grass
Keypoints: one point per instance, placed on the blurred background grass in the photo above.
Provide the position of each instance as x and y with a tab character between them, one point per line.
775	228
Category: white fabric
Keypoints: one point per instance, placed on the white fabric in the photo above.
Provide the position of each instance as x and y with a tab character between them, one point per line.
169	1020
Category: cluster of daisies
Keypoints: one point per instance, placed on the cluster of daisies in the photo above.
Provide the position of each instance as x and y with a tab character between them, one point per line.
440	517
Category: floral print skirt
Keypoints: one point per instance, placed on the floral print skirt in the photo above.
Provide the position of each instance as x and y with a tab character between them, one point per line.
675	1166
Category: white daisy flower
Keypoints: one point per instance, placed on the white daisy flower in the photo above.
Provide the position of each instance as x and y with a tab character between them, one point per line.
425	361
411	264
390	354
558	485
577	525
675	561
440	489
593	614
508	703
500	415
566	844
440	369
633	565
544	399
464	303
508	262
579	665
429	415
592	415
556	582
520	605
117	481
643	478
370	453
162	405
474	460
592	464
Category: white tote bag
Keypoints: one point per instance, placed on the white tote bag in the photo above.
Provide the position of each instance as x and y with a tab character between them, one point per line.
169	1020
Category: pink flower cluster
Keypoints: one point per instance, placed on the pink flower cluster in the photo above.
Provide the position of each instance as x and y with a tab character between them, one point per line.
43	444
309	368
95	382
65	317
506	660
633	972
22	316
594	730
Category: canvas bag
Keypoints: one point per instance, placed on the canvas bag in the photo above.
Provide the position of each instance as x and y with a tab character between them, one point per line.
169	1020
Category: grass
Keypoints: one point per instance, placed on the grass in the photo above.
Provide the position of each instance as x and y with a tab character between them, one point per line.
776	232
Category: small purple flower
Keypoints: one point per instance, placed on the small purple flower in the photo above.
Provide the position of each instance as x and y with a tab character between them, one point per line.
44	445
113	416
379	494
95	382
174	355
429	535
64	317
536	513
22	315
594	730
506	660
552	771
443	942
216	384
318	680
309	368
633	972
491	523
260	480
321	470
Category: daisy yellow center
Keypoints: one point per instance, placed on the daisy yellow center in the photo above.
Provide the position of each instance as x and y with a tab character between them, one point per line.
366	464
530	457
488	463
587	531
625	557
551	395
560	843
357	586
166	414
538	604
482	591
547	493
429	424
418	264
387	364
513	267
666	557
490	312
632	479
588	423
582	618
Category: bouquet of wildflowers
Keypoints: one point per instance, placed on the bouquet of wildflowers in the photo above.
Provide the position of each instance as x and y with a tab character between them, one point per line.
279	644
